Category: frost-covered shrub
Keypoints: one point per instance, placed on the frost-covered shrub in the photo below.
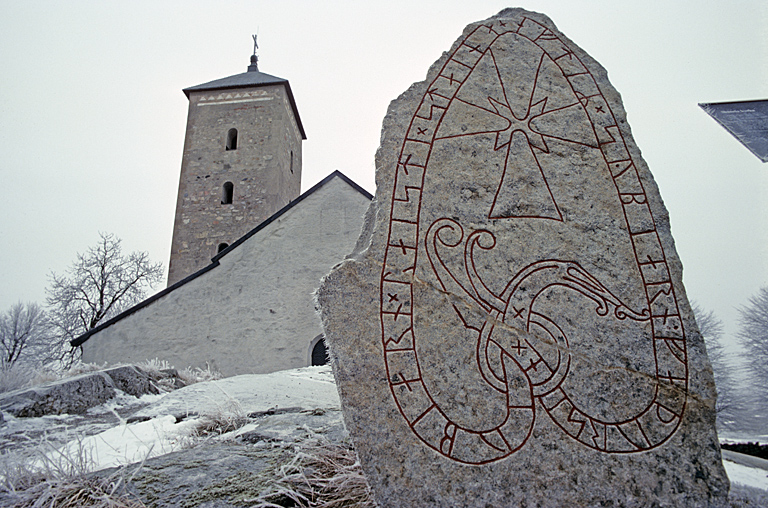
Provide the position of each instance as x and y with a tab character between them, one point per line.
17	376
227	417
197	375
62	479
168	378
742	496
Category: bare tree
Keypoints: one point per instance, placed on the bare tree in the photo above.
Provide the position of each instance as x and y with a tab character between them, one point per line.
711	328
753	335
24	333
99	285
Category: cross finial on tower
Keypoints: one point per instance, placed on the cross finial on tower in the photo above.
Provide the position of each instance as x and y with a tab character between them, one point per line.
254	67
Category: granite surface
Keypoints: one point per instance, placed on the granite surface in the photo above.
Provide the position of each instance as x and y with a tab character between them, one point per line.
512	328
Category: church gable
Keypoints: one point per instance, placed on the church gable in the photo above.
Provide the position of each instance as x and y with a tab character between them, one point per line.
251	310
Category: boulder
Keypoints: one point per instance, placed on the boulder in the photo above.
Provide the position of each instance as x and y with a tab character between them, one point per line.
132	380
71	395
77	394
516	331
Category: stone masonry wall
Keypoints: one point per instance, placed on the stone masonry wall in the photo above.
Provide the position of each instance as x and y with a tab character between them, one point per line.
254	313
265	170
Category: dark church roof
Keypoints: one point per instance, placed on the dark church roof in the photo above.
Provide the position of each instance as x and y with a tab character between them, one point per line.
252	78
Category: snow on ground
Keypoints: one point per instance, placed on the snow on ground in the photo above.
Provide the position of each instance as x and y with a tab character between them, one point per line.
744	475
307	388
125	444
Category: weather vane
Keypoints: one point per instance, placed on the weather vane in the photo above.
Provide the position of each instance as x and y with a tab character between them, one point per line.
255	44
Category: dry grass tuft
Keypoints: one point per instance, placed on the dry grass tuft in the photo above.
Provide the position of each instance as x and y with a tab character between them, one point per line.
198	375
71	493
320	475
62	481
228	417
82	368
159	370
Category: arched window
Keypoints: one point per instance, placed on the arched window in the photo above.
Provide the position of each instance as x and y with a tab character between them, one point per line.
222	246
232	139
226	193
320	353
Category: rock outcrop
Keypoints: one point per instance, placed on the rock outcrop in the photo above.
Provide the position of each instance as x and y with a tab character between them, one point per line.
75	395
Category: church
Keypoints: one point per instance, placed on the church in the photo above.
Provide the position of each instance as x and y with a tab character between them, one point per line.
248	250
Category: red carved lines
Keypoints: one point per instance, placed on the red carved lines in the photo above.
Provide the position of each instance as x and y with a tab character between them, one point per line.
649	429
510	119
671	360
659	420
531	30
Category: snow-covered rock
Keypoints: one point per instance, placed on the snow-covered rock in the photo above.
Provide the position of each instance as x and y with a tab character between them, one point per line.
77	394
72	395
174	466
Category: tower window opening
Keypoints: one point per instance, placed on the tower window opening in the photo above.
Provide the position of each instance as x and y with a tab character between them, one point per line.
291	161
226	193
231	139
221	247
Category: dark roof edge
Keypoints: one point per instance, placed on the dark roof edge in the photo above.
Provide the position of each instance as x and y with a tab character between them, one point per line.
290	205
82	338
215	260
351	183
702	104
275	83
295	110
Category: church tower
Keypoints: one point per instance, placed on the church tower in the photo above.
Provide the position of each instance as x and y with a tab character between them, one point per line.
241	164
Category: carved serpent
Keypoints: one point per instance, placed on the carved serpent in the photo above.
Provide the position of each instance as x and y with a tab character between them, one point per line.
523	354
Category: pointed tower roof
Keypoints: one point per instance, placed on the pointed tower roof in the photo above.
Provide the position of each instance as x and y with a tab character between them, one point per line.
252	78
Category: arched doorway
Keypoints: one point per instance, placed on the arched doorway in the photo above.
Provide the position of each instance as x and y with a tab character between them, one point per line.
319	352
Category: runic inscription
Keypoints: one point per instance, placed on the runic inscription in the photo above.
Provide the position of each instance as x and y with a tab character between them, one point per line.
518	92
512	329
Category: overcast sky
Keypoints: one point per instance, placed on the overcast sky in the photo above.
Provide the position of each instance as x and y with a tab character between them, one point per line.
92	116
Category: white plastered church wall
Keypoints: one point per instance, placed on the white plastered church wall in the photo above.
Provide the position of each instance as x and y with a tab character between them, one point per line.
254	313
